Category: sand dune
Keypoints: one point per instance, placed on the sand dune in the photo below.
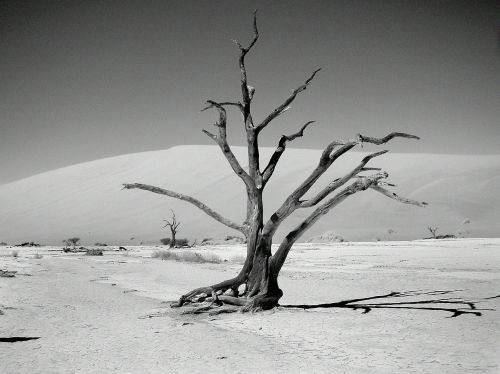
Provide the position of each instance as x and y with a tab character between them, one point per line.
86	200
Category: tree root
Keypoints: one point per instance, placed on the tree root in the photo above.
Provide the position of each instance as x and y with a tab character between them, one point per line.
219	303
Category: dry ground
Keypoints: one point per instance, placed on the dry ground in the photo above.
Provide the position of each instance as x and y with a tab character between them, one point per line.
109	314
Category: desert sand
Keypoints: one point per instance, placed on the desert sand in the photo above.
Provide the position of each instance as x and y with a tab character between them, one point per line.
111	314
86	200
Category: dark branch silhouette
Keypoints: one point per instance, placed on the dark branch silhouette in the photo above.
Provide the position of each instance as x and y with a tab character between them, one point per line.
258	276
455	305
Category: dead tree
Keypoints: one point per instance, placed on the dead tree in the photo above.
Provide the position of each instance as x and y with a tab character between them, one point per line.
71	242
172	224
258	278
433	231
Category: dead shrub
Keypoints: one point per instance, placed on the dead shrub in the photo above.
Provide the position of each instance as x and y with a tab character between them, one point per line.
94	252
186	256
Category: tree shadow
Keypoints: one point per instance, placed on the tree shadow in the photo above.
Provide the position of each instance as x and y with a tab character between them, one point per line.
457	306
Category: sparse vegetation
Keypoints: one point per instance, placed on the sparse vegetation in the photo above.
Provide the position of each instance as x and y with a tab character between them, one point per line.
3	244
165	254
71	242
94	252
28	244
182	242
166	241
433	231
99	244
14	253
7	273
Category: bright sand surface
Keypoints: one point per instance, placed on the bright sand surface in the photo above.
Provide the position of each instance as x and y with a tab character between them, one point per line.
86	200
110	314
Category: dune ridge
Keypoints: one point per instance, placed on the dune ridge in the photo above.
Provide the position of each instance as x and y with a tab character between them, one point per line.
86	200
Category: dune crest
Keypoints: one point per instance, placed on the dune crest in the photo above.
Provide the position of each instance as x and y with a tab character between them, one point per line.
86	199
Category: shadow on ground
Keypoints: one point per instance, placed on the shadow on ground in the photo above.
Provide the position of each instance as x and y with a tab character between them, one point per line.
419	300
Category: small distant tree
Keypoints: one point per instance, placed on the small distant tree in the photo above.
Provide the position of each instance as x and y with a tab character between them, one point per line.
71	242
173	225
433	230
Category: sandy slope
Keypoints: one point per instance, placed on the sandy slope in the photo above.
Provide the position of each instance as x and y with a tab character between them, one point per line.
88	325
85	200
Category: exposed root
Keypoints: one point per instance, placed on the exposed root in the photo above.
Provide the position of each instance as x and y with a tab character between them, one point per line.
224	310
219	303
211	293
231	300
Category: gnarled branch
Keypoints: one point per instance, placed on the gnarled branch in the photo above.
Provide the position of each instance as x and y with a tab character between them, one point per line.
292	202
341	181
268	171
197	203
394	196
385	139
285	105
360	185
221	141
246	91
223	103
172	223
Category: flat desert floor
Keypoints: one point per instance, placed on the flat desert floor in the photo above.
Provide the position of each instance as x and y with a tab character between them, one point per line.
111	314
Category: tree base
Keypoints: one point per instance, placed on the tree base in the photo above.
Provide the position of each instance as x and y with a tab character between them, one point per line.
213	300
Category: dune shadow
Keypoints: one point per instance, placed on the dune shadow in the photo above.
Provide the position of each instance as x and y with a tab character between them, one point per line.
418	300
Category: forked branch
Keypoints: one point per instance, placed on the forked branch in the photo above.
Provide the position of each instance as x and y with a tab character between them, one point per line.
360	185
197	203
172	223
332	186
221	141
285	105
268	171
246	91
292	202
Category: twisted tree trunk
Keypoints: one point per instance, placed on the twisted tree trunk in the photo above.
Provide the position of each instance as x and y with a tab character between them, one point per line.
256	285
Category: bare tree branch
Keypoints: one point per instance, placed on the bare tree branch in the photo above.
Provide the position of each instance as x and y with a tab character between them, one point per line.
223	103
173	224
221	140
394	196
246	91
285	105
360	185
385	139
197	203
332	186
268	171
292	202
211	135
